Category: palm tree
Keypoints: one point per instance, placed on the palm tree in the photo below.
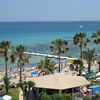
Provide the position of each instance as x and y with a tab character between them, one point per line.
5	46
81	40
1	51
13	56
6	81
59	47
23	87
96	37
46	66
22	58
30	84
89	56
26	87
78	65
23	61
98	61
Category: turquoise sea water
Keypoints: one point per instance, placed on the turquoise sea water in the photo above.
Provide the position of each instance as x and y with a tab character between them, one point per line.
38	35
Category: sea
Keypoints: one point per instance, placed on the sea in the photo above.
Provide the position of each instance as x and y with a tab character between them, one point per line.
37	36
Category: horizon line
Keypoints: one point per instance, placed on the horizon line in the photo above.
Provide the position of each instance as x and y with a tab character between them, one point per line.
58	21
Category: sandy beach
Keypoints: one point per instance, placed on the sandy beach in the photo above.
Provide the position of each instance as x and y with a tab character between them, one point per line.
26	72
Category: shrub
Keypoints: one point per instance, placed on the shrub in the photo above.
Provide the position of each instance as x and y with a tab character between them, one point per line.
45	97
96	97
87	98
2	92
42	93
58	97
67	96
1	87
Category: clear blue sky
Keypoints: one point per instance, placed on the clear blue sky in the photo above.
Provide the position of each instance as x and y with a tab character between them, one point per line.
49	10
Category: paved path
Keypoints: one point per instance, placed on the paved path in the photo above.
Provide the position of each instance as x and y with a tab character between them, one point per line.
20	94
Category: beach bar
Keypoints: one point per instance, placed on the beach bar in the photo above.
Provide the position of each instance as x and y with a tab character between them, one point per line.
59	82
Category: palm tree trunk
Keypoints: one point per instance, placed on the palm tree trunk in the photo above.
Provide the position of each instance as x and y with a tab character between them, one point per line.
99	64
6	68
80	71
59	63
81	53
89	67
7	88
99	57
81	60
6	74
20	73
76	67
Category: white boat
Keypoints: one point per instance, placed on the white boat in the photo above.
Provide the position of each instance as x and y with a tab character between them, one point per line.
81	26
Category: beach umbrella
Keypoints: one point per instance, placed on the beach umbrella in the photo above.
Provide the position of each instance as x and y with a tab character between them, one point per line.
59	73
32	65
24	76
88	75
83	73
24	66
84	62
34	73
98	74
70	59
93	69
98	79
7	97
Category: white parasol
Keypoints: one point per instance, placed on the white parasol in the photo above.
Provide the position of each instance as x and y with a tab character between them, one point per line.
98	74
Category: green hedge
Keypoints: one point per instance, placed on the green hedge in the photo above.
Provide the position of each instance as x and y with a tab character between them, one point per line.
55	96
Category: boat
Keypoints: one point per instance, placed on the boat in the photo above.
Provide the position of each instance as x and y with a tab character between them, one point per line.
81	26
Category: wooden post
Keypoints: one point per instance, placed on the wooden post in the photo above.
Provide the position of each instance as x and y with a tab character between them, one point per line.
72	92
60	91
37	90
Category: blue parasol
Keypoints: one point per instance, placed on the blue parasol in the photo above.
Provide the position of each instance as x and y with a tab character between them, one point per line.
34	73
24	76
24	66
32	65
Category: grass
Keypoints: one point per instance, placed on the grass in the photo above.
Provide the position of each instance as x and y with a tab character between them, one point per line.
14	92
93	83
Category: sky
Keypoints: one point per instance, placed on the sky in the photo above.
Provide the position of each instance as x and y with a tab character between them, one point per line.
49	10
